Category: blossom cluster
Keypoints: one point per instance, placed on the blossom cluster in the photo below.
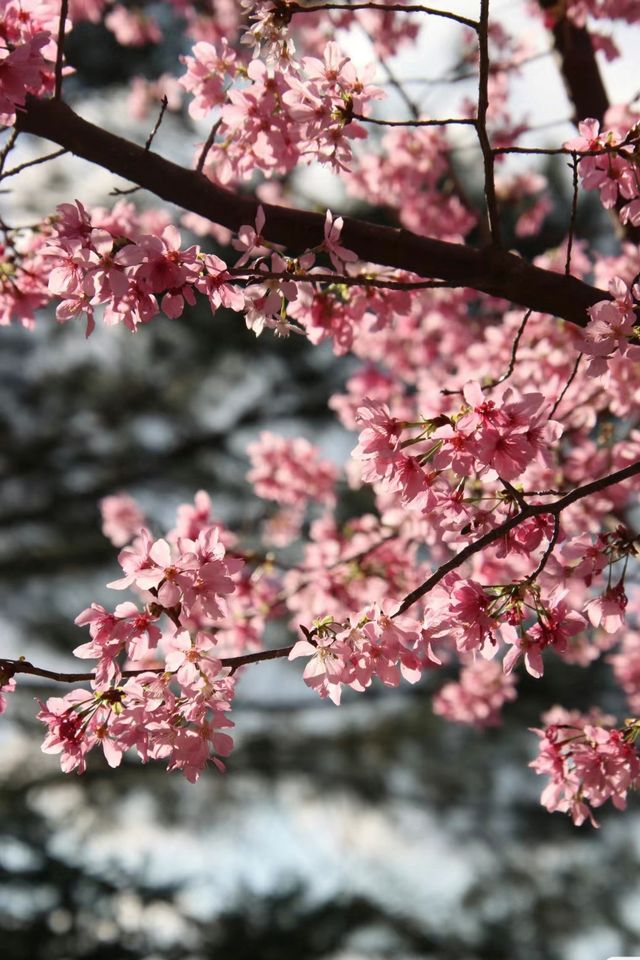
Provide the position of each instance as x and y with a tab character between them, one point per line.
612	325
133	267
289	471
353	653
131	274
185	730
444	476
158	685
588	762
492	438
611	165
406	175
301	112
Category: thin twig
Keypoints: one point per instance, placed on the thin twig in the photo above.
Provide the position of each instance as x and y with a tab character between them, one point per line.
207	146
456	77
547	125
531	510
399	7
64	9
13	667
164	103
8	147
534	151
254	276
124	191
547	553
574	211
127	191
543	493
572	377
514	354
33	163
481	125
552	151
512	361
460	121
397	86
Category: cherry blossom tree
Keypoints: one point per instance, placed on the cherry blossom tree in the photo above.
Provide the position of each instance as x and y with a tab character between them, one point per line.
493	414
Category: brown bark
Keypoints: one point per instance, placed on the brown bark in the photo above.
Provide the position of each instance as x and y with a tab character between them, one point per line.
485	270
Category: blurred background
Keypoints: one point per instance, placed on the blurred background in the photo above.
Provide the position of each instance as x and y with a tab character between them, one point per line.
372	831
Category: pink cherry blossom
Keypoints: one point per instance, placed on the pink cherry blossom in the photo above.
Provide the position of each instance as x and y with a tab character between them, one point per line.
608	611
339	255
121	518
290	471
588	763
7	685
205	74
479	695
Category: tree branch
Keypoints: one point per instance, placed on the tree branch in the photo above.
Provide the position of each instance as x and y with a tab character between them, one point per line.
250	276
531	510
64	10
32	163
462	121
9	668
487	271
373	5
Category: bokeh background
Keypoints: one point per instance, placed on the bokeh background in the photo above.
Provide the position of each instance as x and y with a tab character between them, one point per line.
372	831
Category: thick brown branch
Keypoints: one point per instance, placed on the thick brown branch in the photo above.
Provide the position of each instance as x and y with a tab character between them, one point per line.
579	67
487	271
